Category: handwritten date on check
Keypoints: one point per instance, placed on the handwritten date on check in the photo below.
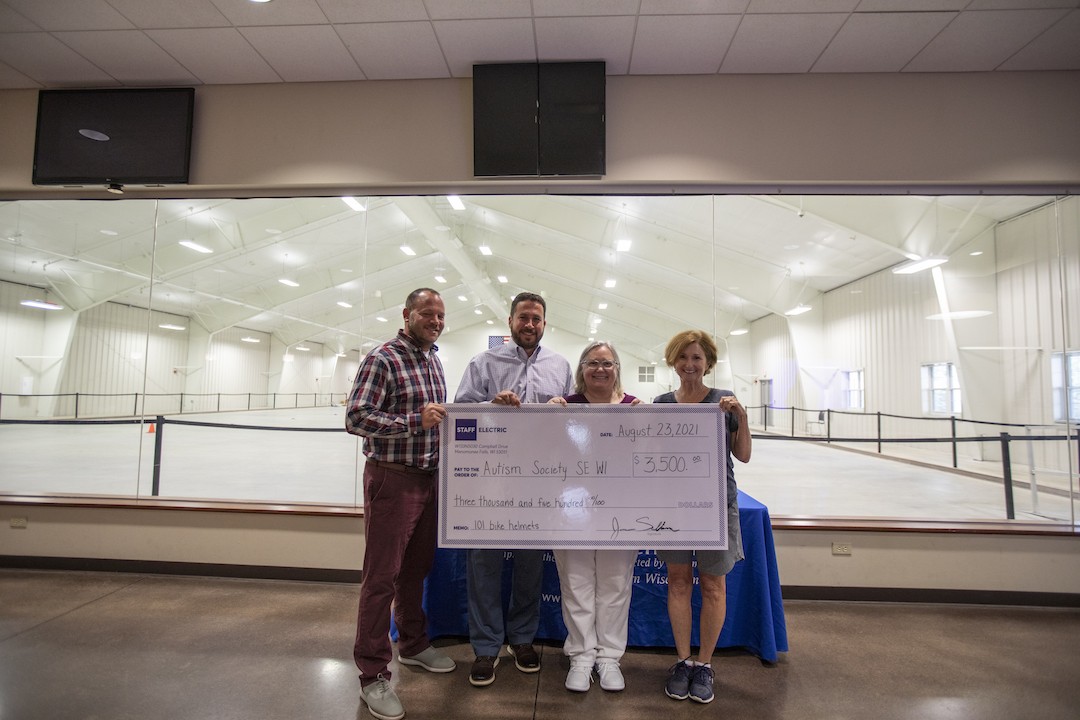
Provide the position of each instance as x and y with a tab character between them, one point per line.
583	476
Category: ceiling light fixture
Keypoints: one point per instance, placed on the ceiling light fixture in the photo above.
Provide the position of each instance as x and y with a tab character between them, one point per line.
455	202
919	264
623	245
408	250
192	245
484	250
462	298
42	304
478	311
354	204
170	326
287	281
303	348
609	283
739	331
249	339
602	306
380	318
501	278
440	279
344	304
798	310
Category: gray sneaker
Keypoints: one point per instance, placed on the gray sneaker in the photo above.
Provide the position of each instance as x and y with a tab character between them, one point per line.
382	701
431	660
701	683
677	686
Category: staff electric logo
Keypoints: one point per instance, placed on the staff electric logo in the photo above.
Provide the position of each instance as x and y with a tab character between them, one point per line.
465	429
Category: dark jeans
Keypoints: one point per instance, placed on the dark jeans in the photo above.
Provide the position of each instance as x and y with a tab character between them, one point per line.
400	532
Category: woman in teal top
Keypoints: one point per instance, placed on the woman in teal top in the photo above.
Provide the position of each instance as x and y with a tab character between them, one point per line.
692	354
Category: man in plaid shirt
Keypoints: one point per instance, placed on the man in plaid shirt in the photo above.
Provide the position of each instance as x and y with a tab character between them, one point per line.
396	405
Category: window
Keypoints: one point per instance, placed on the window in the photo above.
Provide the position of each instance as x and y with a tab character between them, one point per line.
853	389
646	373
1065	380
941	389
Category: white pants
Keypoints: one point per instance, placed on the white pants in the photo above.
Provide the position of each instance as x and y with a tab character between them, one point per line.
596	587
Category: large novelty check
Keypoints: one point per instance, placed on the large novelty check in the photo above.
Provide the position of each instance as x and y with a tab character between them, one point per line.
584	476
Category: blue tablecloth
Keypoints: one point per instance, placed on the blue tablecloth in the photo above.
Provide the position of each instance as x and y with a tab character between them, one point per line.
755	616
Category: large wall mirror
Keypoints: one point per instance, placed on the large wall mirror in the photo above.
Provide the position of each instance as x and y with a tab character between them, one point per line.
902	357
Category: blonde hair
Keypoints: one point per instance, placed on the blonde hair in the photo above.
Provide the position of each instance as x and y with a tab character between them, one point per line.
579	373
685	339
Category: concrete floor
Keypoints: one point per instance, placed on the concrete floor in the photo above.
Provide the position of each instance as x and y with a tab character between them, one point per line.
102	646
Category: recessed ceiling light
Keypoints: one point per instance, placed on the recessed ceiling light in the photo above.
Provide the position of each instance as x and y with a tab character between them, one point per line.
287	281
42	304
303	348
490	322
248	339
408	250
977	253
344	304
478	311
799	310
170	326
609	283
455	202
501	278
739	331
959	315
918	265
440	279
354	204
622	245
602	306
462	298
192	245
380	318
484	250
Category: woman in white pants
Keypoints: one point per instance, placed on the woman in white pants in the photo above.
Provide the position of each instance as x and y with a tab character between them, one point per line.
596	584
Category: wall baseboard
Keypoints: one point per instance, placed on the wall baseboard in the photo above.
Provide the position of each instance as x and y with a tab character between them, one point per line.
932	595
790	592
157	567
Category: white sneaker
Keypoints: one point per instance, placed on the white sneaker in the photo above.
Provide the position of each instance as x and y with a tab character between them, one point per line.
579	678
611	678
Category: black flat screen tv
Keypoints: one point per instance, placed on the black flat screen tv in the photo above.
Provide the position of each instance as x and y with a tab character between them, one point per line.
113	136
543	119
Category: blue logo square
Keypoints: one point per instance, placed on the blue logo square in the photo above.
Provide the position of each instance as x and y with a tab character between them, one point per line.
465	429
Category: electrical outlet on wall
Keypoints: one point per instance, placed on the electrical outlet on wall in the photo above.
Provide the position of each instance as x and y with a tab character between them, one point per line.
841	548
19	523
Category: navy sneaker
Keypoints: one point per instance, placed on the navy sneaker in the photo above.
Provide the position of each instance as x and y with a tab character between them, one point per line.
701	682
678	682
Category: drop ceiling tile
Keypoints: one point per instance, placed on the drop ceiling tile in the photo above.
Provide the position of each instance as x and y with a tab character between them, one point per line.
475	9
390	51
981	41
871	6
351	11
692	7
306	53
780	43
128	55
293	12
48	61
216	55
1056	49
11	21
466	42
159	14
54	15
577	8
12	78
880	42
801	6
587	38
682	45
